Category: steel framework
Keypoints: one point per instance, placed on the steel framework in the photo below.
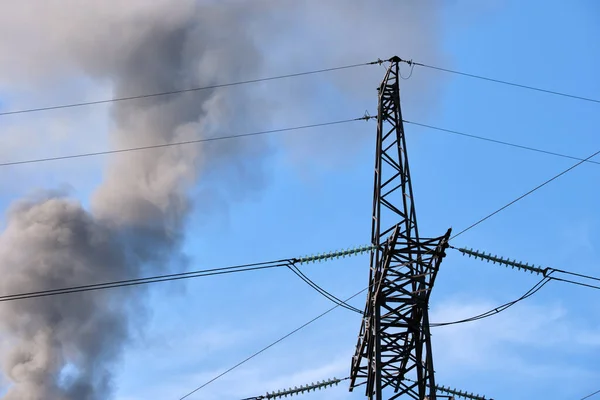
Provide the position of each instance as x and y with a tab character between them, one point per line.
393	355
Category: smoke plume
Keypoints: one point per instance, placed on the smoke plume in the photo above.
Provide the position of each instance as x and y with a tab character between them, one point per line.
64	347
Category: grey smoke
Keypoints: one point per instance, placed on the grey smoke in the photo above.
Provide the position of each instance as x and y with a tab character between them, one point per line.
64	347
51	243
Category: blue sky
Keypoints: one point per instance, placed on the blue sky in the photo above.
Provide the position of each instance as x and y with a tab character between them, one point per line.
315	196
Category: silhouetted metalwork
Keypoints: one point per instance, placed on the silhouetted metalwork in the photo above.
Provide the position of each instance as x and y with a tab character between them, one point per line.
393	355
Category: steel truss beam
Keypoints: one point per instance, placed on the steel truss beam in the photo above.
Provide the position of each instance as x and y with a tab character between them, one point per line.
393	355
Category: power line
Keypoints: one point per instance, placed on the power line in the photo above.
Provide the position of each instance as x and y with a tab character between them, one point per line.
500	142
270	345
486	139
537	89
191	274
587	285
524	195
538	286
187	142
188	90
279	130
322	291
593	278
145	281
590	395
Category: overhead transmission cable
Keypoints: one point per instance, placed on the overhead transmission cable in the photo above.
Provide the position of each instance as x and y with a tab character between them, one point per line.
270	345
524	195
277	77
503	82
587	285
143	281
320	290
278	130
367	116
590	395
186	90
496	310
537	150
181	143
188	275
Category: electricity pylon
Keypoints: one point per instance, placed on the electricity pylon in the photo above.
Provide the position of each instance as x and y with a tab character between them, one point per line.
393	355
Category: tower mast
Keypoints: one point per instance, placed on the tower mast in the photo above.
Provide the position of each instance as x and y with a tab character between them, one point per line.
393	356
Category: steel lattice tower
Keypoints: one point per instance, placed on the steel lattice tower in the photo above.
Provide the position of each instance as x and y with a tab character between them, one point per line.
393	355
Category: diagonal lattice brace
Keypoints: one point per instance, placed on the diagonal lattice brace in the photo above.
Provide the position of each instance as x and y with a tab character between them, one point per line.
394	343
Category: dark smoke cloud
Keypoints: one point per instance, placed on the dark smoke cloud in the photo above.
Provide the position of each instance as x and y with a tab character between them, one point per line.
51	243
65	347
